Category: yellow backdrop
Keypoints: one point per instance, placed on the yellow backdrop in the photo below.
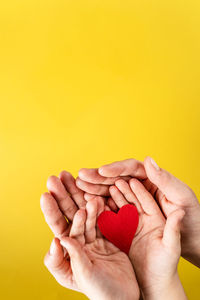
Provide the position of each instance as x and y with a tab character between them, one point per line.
83	83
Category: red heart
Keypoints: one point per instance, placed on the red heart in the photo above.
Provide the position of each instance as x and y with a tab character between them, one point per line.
119	228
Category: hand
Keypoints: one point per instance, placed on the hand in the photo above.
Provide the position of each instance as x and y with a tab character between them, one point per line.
97	181
169	191
62	202
156	248
95	266
173	194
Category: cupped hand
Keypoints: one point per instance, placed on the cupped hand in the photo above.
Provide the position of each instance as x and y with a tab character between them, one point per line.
173	194
168	191
61	203
92	265
155	249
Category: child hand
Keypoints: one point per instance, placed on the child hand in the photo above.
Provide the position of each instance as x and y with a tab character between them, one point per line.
94	266
155	249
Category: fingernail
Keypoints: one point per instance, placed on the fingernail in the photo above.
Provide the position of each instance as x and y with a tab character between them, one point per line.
100	171
154	164
53	247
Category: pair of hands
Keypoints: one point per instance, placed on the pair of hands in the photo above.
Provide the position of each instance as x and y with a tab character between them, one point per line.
162	240
92	264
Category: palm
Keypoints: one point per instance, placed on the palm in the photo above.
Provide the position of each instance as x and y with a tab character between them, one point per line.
103	262
147	252
180	198
110	266
148	247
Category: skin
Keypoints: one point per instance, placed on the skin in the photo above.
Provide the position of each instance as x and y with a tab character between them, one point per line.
61	203
169	192
92	265
156	247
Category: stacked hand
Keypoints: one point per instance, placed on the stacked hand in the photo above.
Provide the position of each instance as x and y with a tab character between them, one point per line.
170	193
155	249
93	265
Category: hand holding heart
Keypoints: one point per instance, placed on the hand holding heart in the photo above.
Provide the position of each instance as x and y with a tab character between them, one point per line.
119	228
170	192
96	266
154	250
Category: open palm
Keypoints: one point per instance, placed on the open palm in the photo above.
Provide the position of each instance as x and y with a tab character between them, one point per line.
95	266
156	245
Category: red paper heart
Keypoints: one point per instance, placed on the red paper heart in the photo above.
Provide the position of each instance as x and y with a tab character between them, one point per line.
119	228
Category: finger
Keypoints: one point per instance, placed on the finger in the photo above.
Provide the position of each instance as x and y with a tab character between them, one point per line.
100	201
118	197
90	228
58	266
95	189
65	203
150	187
53	215
158	196
169	185
88	196
171	234
165	206
128	194
78	226
80	263
128	167
70	184
107	208
100	204
100	209
112	205
146	200
93	176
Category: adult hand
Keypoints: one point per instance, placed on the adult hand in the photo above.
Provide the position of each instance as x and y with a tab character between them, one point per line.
62	201
94	267
156	247
98	181
173	194
169	191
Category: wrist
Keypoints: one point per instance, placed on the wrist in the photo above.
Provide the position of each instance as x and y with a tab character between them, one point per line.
192	253
190	243
168	289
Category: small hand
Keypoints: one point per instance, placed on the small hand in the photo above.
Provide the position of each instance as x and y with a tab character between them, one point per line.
169	191
155	249
98	181
95	266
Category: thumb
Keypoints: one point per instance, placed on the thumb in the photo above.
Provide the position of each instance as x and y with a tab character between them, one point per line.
80	262
169	185
171	234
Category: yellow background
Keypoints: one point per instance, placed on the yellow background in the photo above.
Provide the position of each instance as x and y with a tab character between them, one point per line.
83	83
